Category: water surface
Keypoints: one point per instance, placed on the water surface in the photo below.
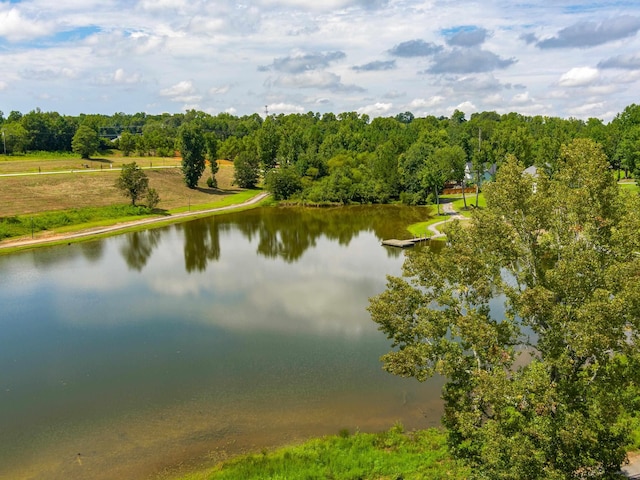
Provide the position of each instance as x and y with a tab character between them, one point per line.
156	350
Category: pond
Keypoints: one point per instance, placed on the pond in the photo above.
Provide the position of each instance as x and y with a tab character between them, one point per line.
153	351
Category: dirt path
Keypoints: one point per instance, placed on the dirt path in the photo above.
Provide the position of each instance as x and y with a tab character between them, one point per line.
447	208
123	226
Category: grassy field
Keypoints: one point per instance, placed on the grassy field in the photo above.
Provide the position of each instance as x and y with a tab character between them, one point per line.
56	162
31	194
387	455
87	198
421	229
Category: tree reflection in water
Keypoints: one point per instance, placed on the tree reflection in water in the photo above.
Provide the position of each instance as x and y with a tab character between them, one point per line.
138	248
280	232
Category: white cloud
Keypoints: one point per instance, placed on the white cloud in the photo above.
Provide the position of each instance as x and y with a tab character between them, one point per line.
427	102
285	108
219	90
314	79
579	77
159	5
183	92
521	99
588	109
119	77
184	87
14	27
466	107
308	52
377	109
494	99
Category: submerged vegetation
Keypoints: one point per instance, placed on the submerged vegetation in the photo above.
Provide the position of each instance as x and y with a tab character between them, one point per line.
387	455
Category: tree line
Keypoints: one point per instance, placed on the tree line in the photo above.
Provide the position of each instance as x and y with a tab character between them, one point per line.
343	158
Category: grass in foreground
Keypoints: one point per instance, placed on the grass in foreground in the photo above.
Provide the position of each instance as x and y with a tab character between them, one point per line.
23	225
387	455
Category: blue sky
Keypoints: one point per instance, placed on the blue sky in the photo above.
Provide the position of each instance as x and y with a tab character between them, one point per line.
379	57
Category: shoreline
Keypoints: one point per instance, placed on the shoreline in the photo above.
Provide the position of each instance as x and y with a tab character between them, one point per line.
21	244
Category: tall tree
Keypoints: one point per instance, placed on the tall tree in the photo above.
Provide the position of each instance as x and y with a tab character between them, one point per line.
268	140
14	137
192	147
85	142
212	155
127	143
549	274
246	170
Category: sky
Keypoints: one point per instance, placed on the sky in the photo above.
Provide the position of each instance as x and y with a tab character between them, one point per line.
377	57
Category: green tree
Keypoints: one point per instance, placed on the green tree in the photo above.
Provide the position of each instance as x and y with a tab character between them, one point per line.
85	142
14	137
127	143
152	198
445	163
548	274
212	155
267	142
192	147
283	182
133	183
246	170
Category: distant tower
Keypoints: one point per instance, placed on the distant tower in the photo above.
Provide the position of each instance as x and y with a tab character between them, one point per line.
266	111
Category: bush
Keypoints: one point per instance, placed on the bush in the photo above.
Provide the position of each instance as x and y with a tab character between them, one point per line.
152	198
283	183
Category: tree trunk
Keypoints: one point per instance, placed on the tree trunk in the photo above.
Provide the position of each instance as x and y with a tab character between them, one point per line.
464	195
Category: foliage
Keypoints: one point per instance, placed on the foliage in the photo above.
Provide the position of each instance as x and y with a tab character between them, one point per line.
14	138
192	148
267	145
389	158
85	141
127	143
283	183
152	198
133	182
212	155
246	170
392	454
23	225
549	274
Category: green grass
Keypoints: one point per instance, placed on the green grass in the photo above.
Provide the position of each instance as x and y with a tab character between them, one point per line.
23	225
85	218
387	455
236	198
630	187
458	204
420	229
37	155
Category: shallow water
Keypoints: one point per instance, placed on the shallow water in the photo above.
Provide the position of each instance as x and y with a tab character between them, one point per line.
154	351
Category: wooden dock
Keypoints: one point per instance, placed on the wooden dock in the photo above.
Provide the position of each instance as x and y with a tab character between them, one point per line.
410	242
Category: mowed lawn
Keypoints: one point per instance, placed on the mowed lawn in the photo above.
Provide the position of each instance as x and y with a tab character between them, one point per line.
31	194
55	162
